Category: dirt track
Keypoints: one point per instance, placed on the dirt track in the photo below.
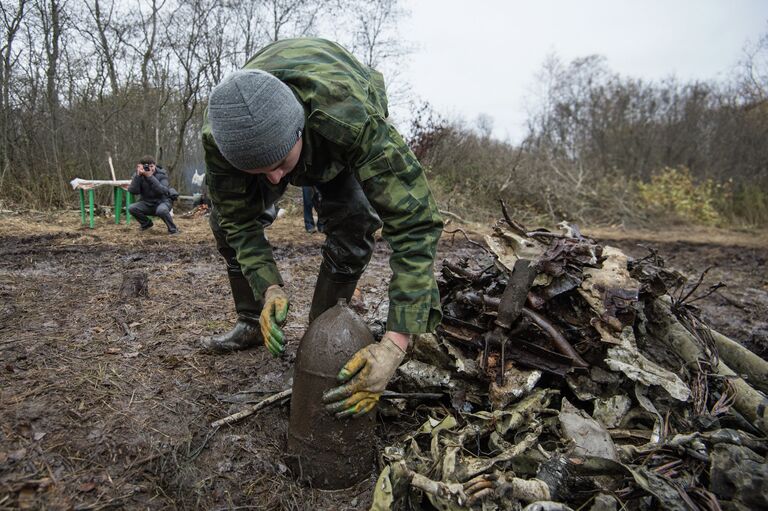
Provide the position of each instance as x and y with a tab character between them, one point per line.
106	403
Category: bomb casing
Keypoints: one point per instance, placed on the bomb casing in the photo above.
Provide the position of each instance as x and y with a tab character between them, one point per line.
327	452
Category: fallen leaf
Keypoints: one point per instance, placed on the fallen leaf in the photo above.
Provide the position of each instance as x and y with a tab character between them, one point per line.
27	498
86	487
112	351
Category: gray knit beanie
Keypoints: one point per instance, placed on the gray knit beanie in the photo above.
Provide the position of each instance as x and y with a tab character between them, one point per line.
255	119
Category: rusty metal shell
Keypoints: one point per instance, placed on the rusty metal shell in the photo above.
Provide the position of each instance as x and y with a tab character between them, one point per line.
327	452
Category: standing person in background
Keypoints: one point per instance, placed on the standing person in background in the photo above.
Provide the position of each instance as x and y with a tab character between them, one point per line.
157	196
311	198
306	112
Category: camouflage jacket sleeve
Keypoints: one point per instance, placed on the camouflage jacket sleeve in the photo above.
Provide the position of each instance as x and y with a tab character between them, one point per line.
394	182
237	197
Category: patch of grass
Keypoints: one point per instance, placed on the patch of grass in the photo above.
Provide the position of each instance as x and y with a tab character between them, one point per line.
215	325
672	191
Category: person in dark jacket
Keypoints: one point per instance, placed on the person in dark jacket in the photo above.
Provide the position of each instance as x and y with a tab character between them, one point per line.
151	182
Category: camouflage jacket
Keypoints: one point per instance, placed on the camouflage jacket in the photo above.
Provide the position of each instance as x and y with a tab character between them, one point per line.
345	131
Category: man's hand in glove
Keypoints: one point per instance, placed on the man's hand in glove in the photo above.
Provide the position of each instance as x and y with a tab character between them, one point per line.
367	372
272	317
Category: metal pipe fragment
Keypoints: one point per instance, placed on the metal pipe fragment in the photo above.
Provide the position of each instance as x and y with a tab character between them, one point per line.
516	292
479	300
463	272
560	342
751	403
742	361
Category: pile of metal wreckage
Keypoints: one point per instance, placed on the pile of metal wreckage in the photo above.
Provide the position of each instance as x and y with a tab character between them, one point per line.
577	378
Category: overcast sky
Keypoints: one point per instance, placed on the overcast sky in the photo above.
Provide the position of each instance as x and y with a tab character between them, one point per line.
481	56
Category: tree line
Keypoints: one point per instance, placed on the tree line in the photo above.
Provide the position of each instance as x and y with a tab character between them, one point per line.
601	147
83	79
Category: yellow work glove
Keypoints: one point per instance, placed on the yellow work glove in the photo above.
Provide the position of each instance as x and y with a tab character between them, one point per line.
272	317
370	369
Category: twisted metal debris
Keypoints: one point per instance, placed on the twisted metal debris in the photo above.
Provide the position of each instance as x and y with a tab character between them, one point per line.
577	379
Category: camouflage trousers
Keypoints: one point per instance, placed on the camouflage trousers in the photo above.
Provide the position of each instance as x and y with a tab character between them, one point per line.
349	224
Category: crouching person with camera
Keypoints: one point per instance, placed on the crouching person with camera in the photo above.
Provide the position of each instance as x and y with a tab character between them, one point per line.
157	196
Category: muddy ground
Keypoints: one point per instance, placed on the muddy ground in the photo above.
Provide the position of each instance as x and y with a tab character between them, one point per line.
106	403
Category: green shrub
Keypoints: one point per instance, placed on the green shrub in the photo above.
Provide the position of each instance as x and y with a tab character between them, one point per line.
673	191
749	205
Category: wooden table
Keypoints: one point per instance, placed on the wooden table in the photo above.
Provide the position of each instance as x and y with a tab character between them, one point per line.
119	188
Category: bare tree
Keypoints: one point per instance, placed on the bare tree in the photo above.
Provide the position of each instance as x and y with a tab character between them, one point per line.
753	78
484	125
248	19
374	32
191	21
79	79
146	45
299	16
12	17
153	71
107	34
51	17
370	31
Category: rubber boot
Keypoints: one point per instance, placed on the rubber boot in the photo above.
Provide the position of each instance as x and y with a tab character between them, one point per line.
246	332
328	290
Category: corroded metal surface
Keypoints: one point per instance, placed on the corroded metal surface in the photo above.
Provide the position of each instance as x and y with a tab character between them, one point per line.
328	453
